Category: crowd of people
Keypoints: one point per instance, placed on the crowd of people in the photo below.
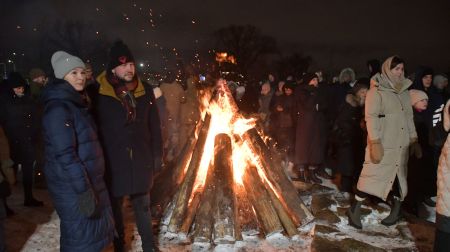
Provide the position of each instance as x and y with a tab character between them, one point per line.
382	135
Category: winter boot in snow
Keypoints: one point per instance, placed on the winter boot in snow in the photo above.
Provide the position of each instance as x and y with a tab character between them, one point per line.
303	176
354	214
321	172
394	215
313	177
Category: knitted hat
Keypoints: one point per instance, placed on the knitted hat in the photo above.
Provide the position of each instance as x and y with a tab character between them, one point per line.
36	72
417	95
15	80
63	63
119	54
438	79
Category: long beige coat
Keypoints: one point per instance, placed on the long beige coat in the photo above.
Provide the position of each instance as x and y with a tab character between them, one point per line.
389	118
443	176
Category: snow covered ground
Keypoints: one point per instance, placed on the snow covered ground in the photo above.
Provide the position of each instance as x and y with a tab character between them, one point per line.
329	232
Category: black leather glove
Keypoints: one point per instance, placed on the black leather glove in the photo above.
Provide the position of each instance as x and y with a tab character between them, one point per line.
88	203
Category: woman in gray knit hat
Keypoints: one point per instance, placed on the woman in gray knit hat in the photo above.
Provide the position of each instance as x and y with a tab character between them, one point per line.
75	166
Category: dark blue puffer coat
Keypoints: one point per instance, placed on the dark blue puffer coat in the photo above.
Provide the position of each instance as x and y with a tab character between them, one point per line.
74	163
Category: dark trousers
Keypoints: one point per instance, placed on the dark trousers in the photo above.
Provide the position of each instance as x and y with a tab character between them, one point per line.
441	241
347	183
2	228
27	178
143	217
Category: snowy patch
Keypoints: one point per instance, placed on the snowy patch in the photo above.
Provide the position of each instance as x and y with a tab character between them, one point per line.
46	236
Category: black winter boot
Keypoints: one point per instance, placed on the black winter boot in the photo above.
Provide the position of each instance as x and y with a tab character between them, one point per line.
354	214
313	177
395	215
303	176
321	172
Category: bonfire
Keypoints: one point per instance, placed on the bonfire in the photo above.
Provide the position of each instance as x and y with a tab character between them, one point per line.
227	183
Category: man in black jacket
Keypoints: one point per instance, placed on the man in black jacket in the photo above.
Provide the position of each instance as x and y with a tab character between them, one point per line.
129	128
19	119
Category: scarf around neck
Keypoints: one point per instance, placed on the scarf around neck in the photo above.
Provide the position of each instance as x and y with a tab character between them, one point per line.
125	95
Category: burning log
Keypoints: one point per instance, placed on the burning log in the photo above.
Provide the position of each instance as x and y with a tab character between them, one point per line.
230	187
267	215
186	155
290	199
170	178
224	229
203	224
181	202
246	222
286	220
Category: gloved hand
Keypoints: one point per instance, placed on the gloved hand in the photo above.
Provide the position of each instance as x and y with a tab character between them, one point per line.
376	151
415	149
88	203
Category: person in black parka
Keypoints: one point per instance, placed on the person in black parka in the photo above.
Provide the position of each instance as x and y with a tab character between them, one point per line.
349	136
433	117
74	164
418	167
282	121
310	139
129	125
19	119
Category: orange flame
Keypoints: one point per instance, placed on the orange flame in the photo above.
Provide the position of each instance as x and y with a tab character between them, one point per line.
226	119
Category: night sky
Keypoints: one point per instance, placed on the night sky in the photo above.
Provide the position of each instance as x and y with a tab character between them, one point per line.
335	34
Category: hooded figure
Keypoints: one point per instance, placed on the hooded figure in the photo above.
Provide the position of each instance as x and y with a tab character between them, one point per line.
349	136
19	119
374	67
310	129
433	120
390	128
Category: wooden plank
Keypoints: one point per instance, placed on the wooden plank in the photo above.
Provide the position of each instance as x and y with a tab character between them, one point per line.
203	223
267	215
185	190
289	197
224	229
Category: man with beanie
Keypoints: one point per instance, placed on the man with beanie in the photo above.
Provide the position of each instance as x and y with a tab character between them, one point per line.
129	127
18	117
